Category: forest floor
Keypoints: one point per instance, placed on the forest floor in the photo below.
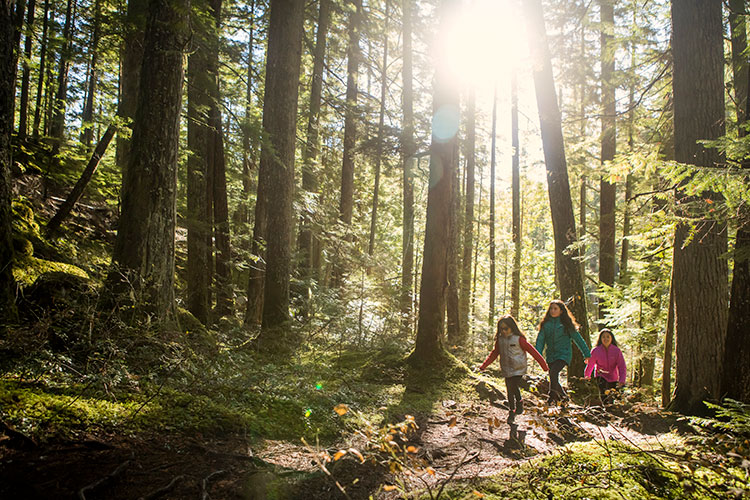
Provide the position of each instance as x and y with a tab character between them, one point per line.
458	442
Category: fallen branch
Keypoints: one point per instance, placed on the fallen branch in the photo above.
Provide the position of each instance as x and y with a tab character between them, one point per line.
164	490
204	483
105	479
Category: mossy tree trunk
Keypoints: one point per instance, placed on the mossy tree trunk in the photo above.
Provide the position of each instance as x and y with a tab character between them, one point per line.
443	163
7	101
143	258
700	271
276	175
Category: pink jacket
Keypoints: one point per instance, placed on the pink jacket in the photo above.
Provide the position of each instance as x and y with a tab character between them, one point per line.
609	364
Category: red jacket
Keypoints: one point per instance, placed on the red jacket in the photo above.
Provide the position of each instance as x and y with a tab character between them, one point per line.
509	353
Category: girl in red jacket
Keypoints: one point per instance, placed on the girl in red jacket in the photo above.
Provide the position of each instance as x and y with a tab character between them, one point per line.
607	364
511	347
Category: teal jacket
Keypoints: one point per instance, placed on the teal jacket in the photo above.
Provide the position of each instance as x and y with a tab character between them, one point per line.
556	342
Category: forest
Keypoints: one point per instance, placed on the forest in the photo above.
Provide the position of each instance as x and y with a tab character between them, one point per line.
281	249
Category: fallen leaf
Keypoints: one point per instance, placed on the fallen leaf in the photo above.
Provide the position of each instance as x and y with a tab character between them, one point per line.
341	409
339	454
453	421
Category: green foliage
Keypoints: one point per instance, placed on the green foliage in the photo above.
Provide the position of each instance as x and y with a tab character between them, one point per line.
729	429
612	470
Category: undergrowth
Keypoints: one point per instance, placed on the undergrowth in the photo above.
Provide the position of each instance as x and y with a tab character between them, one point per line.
669	469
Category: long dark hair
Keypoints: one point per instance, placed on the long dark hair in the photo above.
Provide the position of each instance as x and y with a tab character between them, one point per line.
510	322
602	332
566	317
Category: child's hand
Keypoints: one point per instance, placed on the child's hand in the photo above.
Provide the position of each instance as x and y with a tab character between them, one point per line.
477	368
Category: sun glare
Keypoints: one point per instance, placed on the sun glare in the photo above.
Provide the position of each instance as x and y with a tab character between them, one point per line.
482	42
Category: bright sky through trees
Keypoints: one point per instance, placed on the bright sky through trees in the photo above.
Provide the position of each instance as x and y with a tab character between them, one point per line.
483	42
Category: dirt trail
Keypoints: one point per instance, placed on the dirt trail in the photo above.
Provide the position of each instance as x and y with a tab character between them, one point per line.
459	441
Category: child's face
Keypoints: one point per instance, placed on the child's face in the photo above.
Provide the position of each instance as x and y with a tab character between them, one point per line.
606	339
554	310
505	330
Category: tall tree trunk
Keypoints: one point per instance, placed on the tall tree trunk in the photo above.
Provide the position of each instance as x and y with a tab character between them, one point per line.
569	275
492	209
23	108
42	62
57	127
217	159
201	92
381	131
607	193
75	194
88	109
515	287
309	244
666	373
346	206
144	248
408	152
453	326
7	101
248	145
464	295
700	272
276	175
131	58
736	373
443	162
624	278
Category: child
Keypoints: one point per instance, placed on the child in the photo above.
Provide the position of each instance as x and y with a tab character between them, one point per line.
556	331
609	363
511	346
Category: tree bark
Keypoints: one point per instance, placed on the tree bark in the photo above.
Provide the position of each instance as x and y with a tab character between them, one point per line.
569	275
607	193
700	272
346	206
408	152
42	62
443	162
7	101
23	108
309	243
201	92
131	59
379	146
248	136
666	374
276	175
453	327
88	109
468	239
515	286
736	373
217	158
75	194
492	209
143	256
57	126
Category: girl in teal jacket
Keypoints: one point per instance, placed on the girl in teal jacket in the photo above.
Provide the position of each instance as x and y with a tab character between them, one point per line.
556	331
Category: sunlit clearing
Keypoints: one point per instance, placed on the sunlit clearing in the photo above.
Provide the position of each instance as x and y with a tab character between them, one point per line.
481	42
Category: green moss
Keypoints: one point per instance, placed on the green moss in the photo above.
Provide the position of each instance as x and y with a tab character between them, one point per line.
27	269
594	471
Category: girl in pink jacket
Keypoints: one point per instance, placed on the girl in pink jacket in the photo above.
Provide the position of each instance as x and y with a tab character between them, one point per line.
607	364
